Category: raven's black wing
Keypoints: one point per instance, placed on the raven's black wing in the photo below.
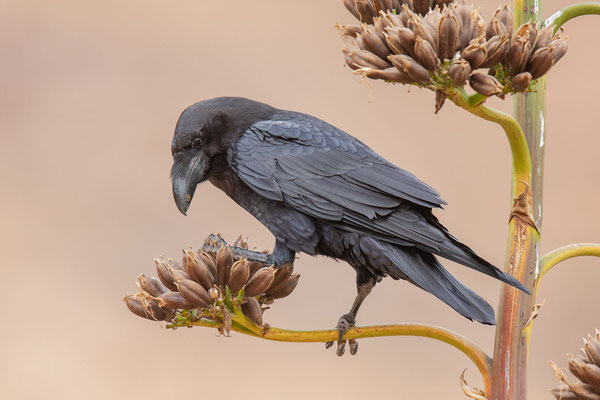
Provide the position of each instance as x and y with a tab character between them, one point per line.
323	172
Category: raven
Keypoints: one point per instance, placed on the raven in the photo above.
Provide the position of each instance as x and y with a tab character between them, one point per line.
321	191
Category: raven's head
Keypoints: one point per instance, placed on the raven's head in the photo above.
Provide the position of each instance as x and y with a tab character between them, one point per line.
205	131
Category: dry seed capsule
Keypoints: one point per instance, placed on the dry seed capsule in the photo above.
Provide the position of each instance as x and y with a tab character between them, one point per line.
394	20
426	54
393	42
459	72
592	350
540	62
252	310
421	28
365	11
260	282
465	14
151	285
163	273
560	47
448	35
224	263
505	15
174	301
485	84
178	274
145	308
520	82
200	272
286	289
475	54
407	38
496	50
433	17
351	6
240	272
255	266
389	74
282	274
350	30
194	292
406	14
371	41
362	58
209	261
410	67
517	56
543	38
421	6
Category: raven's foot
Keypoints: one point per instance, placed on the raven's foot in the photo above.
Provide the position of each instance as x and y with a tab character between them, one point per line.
345	322
213	244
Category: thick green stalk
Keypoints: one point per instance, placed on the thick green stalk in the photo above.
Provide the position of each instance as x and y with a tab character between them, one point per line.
575	10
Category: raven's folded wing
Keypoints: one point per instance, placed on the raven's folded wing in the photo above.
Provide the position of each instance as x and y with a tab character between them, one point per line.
322	171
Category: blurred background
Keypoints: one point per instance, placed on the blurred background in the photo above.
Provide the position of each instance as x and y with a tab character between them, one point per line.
90	94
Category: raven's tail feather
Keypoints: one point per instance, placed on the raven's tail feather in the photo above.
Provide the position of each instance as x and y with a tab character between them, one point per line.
426	272
458	252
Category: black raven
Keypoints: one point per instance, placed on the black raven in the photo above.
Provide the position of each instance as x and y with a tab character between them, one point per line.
320	191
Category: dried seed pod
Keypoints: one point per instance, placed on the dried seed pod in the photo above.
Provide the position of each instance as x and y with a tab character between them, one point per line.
394	19
163	273
520	82
459	72
284	289
485	84
350	30
255	266
421	6
178	274
496	51
194	292
393	41
351	6
517	56
209	261
371	41
543	38
260	282
505	15
433	17
174	301
282	274
389	74
145	308
426	54
421	28
448	36
592	350
151	285
365	11
560	47
200	272
407	38
224	263
252	310
362	58
440	99
410	67
540	62
475	53
240	272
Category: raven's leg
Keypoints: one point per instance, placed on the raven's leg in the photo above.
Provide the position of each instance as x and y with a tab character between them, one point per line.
364	284
282	255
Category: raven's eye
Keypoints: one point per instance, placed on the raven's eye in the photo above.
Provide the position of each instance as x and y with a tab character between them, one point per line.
197	142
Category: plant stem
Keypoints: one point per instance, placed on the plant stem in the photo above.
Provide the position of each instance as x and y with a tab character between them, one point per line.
477	355
564	253
575	10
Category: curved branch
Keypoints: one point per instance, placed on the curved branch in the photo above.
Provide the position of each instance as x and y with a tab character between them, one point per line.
516	138
243	325
564	253
575	10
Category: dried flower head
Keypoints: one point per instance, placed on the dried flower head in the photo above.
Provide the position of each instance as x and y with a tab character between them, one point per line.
441	46
209	284
586	367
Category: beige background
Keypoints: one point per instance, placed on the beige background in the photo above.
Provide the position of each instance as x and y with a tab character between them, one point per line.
90	93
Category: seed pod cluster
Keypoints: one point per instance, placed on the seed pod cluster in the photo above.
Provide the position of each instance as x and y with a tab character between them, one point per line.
586	367
367	10
440	46
207	282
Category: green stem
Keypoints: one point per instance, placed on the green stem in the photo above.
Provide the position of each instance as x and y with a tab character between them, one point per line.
575	10
564	253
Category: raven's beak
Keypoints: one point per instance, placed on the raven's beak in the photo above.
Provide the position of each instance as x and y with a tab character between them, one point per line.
188	170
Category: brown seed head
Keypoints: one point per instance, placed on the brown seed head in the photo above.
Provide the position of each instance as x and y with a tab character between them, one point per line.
209	261
475	53
485	84
371	41
544	37
174	301
151	285
426	54
559	44
224	263
200	272
540	62
410	67
240	272
448	35
517	56
422	28
389	74
363	58
284	289
251	309
459	72
520	82
496	48
194	292
163	273
260	282
145	308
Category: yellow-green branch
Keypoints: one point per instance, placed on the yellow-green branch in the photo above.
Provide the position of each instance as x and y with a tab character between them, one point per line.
516	138
575	10
477	355
564	253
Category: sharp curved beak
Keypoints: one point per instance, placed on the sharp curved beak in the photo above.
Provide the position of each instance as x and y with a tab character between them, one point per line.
188	170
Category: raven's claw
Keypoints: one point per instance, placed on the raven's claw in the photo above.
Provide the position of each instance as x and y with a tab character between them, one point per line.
345	322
